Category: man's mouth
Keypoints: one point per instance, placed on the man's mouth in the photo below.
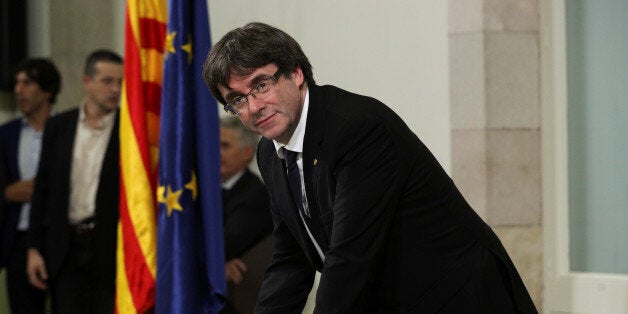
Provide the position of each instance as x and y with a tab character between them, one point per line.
262	122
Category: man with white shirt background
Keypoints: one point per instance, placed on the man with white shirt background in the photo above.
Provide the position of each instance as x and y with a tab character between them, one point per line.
74	215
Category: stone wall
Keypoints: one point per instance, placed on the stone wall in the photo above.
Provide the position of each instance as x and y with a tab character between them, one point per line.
495	122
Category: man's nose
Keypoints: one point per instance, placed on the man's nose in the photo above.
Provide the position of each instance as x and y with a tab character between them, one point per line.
255	104
18	88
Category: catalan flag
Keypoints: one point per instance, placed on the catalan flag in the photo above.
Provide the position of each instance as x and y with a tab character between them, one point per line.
145	29
190	261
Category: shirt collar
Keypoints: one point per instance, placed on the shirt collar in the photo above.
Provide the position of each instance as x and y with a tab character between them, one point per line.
295	143
229	183
106	121
25	123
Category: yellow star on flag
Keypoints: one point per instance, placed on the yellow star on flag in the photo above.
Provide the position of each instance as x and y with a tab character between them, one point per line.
160	194
169	47
172	201
192	186
188	48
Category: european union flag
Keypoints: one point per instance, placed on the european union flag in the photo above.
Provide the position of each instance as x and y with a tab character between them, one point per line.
190	253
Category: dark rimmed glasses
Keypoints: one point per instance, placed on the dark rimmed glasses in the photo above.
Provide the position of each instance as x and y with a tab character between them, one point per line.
261	90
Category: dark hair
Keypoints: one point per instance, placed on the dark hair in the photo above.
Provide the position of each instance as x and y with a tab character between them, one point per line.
44	72
243	50
104	55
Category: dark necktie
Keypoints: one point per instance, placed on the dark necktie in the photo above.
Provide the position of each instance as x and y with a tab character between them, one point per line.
312	224
294	180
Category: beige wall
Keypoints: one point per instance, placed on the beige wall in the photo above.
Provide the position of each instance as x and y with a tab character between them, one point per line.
6	106
67	31
78	27
395	51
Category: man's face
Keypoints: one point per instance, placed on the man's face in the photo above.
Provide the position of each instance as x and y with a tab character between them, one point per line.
29	95
277	116
233	157
103	89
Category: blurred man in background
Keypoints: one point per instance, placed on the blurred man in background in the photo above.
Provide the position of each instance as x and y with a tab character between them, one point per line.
246	215
74	215
37	83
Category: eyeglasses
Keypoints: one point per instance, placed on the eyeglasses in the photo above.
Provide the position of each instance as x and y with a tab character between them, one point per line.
261	90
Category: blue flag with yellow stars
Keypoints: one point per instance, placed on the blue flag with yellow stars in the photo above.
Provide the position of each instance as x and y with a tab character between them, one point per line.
190	251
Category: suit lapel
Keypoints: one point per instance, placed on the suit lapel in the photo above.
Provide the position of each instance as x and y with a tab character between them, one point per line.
69	134
12	146
63	134
288	209
311	154
108	184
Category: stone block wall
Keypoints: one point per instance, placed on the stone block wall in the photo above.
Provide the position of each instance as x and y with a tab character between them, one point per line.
495	122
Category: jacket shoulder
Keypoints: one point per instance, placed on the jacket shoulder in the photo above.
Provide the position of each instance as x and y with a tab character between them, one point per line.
265	148
337	111
349	110
63	118
66	115
10	125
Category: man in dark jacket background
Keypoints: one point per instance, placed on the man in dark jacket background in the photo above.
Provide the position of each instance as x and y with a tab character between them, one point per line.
74	216
37	83
246	215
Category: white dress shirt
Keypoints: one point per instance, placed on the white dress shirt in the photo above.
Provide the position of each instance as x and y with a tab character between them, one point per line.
29	150
295	144
90	145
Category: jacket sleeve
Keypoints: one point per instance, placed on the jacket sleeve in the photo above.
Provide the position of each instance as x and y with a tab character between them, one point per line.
7	175
4	178
249	221
289	278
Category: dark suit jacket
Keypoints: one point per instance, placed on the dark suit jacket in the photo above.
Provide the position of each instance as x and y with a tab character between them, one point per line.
9	173
398	236
246	215
247	221
49	212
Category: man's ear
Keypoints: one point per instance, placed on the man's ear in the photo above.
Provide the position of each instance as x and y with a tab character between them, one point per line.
297	76
49	97
248	152
85	79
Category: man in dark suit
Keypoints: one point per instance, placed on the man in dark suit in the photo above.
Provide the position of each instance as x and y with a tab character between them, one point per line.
246	214
354	195
75	203
37	83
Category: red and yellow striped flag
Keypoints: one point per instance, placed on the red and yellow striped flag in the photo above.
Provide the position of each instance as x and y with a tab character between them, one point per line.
139	138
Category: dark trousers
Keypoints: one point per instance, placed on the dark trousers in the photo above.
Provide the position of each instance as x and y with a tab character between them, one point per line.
23	297
79	288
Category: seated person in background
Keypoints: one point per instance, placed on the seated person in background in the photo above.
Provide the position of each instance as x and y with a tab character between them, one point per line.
246	212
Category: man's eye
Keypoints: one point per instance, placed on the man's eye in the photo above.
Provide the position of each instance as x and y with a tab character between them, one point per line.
261	87
237	100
